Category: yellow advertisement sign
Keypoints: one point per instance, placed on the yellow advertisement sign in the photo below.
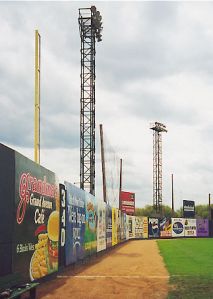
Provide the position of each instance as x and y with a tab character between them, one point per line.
145	227
114	226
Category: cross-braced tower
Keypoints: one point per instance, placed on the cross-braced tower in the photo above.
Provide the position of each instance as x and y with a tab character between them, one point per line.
157	128
90	28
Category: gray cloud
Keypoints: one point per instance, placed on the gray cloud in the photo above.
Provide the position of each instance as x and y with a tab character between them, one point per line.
152	106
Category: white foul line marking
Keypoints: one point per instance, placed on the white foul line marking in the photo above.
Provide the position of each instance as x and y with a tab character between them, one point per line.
113	276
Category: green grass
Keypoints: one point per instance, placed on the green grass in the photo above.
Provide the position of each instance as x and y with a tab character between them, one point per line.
190	264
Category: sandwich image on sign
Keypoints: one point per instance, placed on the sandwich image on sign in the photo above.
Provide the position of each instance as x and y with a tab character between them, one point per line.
45	257
53	237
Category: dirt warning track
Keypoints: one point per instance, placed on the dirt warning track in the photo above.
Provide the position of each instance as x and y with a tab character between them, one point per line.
133	270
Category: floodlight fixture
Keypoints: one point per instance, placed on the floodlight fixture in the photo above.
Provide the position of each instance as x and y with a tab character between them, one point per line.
157	126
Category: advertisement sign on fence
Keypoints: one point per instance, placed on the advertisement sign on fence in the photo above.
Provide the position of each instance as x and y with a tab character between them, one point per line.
75	223
123	228
131	227
7	194
141	227
202	227
190	227
36	225
154	228
138	227
127	202
101	231
114	226
177	227
90	236
119	226
145	227
108	226
127	226
62	236
165	227
188	209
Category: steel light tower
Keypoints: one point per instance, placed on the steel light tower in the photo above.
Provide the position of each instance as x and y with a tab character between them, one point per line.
157	128
90	27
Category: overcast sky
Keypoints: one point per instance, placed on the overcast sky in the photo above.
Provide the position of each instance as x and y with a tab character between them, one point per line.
155	63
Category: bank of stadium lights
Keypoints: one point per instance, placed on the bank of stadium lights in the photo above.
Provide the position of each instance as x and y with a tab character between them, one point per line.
159	127
96	23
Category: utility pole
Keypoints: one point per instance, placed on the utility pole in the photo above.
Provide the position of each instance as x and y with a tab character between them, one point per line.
121	178
210	214
103	163
172	195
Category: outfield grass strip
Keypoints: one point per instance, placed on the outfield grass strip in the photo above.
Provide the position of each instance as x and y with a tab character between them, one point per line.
190	264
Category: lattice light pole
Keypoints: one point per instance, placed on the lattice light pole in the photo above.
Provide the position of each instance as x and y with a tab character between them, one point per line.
90	27
157	128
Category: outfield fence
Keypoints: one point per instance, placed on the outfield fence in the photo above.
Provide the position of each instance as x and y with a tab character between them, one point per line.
46	225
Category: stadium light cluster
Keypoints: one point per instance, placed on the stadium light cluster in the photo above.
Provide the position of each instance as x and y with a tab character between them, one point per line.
159	127
96	23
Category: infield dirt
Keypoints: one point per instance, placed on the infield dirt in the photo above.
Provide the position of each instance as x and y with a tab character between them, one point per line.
133	270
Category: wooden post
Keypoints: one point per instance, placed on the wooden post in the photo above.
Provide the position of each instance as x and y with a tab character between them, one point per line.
120	188
172	195
103	163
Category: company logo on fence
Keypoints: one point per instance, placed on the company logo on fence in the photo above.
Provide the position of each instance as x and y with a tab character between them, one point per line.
178	227
28	186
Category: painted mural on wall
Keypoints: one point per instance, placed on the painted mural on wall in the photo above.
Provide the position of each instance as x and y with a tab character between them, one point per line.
75	223
36	226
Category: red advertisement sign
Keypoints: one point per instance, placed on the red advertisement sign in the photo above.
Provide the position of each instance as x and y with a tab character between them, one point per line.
127	202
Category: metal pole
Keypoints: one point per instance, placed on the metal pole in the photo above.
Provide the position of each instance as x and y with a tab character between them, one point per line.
210	214
172	195
103	163
37	99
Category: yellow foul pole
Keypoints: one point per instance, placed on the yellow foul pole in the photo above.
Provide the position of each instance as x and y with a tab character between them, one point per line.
37	99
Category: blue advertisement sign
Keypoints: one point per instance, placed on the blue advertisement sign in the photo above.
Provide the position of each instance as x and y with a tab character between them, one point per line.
75	223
